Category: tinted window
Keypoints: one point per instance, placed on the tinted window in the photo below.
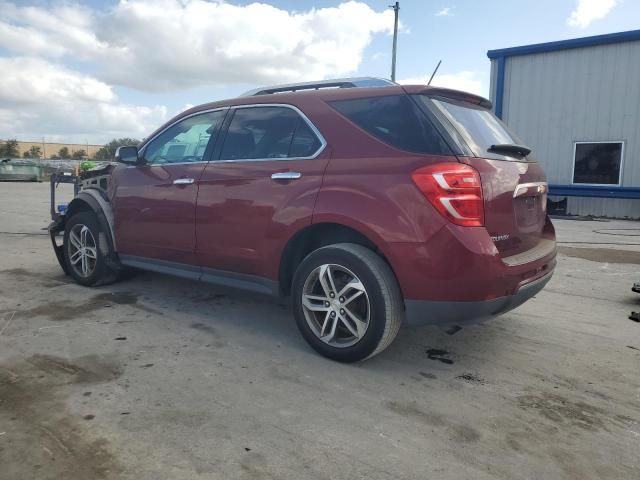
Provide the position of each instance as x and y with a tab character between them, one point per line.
304	143
186	141
396	120
478	126
268	132
597	163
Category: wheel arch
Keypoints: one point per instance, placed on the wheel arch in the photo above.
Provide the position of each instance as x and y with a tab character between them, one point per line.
315	236
93	199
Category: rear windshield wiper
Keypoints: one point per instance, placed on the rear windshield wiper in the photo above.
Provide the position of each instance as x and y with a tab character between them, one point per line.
522	150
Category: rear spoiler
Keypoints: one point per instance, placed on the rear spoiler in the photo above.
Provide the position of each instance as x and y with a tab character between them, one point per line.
449	93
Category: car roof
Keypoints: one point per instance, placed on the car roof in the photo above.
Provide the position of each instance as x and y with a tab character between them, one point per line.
328	95
345	93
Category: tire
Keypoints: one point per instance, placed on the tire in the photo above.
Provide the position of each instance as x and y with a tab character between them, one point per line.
377	302
99	271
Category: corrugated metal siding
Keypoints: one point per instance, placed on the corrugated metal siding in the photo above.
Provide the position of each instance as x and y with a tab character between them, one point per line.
493	80
553	99
602	207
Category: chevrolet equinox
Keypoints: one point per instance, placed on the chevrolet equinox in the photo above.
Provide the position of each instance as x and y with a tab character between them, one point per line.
368	203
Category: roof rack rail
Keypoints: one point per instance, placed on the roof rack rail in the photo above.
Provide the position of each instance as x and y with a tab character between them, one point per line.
333	83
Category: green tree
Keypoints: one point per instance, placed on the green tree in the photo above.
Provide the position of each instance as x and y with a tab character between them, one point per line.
35	152
9	149
79	154
108	152
64	152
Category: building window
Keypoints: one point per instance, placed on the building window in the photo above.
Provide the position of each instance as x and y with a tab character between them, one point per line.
597	163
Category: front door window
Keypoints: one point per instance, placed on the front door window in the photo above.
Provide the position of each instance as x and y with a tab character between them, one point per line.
186	141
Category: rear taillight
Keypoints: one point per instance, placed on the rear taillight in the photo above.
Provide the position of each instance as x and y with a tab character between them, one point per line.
454	189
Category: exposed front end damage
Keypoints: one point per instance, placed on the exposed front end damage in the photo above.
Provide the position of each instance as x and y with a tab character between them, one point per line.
90	194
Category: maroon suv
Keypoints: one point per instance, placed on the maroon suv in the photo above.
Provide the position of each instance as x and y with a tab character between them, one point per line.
368	203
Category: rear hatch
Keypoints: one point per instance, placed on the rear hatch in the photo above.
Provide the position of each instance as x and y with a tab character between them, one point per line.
513	183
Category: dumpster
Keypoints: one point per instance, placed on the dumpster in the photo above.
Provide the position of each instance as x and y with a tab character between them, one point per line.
18	169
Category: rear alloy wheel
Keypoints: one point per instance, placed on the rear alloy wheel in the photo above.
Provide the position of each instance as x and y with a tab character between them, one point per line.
347	302
336	305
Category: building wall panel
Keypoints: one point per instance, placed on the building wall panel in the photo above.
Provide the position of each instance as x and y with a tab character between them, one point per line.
554	99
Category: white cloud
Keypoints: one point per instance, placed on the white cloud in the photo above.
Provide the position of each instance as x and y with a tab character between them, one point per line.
160	45
39	98
445	12
465	80
58	31
588	11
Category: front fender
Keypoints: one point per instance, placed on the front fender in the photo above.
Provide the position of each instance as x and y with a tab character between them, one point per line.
95	200
90	199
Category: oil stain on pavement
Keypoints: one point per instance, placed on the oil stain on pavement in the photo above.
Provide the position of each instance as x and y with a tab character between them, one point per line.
63	310
457	432
42	439
603	255
439	355
562	411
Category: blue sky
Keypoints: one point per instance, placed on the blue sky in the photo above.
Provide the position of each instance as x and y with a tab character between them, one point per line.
109	68
461	38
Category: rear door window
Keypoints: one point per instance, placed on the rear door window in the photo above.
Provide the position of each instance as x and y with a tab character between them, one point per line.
304	143
395	120
268	132
479	127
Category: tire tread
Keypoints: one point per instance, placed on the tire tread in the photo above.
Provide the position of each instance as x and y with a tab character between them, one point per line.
384	276
390	290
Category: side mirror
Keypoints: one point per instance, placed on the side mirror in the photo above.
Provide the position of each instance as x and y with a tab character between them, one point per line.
128	155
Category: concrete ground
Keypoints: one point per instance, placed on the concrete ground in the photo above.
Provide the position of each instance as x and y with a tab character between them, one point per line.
161	378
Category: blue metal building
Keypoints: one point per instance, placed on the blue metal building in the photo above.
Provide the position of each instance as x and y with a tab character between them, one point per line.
577	104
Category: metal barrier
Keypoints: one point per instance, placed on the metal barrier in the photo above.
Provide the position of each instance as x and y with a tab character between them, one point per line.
56	179
632	193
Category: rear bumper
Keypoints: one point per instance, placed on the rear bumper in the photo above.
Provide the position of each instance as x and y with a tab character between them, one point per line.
462	264
429	312
458	277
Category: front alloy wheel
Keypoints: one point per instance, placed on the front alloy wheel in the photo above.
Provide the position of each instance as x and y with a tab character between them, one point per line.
83	250
84	254
336	305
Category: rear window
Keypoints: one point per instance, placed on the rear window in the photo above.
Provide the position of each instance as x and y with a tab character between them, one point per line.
397	121
479	127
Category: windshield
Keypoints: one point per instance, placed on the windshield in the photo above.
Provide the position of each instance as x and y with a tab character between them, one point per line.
478	127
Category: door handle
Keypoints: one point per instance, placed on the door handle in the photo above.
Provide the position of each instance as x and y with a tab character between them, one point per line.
286	176
183	181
